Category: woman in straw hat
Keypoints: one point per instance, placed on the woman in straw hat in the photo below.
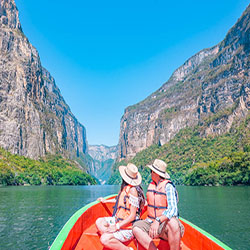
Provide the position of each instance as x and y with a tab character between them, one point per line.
118	229
162	221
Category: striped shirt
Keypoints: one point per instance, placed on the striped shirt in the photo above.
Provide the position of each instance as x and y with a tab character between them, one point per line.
172	209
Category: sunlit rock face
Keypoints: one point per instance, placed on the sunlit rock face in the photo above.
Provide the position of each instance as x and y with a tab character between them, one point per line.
215	81
34	118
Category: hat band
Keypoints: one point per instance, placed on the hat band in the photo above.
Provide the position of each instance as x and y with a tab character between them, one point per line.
130	176
159	169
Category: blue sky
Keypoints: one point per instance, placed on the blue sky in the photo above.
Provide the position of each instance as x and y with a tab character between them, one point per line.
107	55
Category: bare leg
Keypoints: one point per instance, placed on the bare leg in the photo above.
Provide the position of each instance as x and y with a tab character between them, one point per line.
144	239
109	241
174	234
101	225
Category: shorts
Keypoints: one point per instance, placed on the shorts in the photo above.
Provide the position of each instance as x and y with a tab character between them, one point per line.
145	225
122	235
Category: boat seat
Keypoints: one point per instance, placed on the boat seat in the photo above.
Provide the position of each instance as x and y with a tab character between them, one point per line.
92	231
92	235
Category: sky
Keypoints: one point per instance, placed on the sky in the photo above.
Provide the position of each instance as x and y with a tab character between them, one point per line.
108	55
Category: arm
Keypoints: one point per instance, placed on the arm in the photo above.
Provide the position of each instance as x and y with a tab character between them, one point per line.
102	200
172	209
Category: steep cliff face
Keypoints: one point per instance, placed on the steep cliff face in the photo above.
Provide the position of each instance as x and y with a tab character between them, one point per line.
103	160
214	81
34	118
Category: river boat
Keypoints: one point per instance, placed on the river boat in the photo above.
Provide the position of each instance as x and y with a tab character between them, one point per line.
80	232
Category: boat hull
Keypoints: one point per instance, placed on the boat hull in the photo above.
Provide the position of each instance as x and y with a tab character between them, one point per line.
80	233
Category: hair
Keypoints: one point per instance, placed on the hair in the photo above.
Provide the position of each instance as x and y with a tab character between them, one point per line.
124	184
141	197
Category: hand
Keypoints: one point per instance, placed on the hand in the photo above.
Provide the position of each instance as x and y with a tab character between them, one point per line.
101	199
111	229
153	231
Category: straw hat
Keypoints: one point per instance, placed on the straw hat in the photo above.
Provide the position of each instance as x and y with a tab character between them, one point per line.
159	167
130	174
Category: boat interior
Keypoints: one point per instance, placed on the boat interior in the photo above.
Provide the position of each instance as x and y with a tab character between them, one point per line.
84	234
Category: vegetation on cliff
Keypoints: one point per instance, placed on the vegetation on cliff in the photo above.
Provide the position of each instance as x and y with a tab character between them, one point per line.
195	159
51	170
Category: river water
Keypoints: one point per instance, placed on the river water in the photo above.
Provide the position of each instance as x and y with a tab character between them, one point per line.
31	217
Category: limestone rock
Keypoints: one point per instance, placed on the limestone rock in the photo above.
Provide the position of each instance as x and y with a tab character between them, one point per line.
103	160
214	81
34	118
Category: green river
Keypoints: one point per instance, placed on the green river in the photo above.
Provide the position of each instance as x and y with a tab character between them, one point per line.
31	217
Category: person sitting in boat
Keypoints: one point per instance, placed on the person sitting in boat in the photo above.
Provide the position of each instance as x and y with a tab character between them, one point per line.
162	212
118	229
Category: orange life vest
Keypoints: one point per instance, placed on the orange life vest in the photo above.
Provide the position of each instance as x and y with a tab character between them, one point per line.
157	199
123	208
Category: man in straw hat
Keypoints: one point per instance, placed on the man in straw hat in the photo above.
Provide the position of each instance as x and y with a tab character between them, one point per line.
162	221
118	229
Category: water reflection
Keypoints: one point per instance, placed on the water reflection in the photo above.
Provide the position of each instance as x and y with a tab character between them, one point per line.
31	217
221	211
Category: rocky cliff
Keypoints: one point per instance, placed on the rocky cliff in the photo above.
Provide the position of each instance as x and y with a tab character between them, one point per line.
103	160
34	118
214	81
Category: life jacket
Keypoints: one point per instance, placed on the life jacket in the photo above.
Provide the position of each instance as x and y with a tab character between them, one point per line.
157	199
123	207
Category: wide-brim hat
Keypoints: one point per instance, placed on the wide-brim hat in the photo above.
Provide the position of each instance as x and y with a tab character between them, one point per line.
130	174
159	167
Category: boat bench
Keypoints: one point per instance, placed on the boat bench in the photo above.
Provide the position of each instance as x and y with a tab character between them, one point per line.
92	235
